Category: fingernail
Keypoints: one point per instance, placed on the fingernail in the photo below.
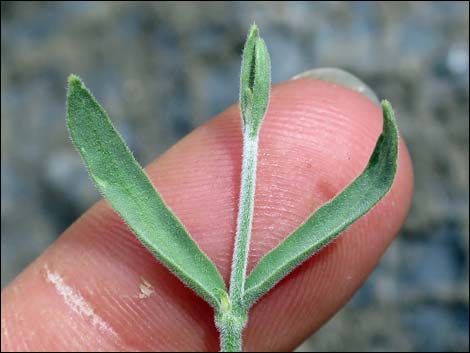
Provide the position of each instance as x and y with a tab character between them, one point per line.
340	77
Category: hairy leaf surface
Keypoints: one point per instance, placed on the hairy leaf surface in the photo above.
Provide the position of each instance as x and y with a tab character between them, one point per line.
333	217
128	189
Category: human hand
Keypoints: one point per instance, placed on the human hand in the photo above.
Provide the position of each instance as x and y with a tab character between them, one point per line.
97	288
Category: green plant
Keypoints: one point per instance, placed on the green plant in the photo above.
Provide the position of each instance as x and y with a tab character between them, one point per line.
128	189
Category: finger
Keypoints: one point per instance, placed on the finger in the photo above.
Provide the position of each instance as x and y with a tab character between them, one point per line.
98	288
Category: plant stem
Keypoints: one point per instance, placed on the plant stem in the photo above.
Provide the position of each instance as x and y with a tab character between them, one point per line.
230	328
231	322
255	83
245	218
231	340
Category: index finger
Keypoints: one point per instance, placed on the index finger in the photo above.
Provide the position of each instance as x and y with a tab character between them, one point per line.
97	288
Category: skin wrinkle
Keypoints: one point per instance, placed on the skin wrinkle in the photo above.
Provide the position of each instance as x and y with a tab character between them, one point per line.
18	344
101	240
5	335
76	339
77	303
152	313
144	313
138	318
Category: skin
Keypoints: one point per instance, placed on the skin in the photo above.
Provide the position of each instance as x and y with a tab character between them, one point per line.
316	138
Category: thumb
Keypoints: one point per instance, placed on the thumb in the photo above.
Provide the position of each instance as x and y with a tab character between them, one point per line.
97	288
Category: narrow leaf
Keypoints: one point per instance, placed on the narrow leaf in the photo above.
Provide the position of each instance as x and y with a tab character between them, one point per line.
332	218
128	189
255	81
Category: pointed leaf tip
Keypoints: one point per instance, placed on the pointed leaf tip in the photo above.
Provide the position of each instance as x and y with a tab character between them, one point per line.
254	31
255	81
74	80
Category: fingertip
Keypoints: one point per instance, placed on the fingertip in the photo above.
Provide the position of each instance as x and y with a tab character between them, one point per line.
316	138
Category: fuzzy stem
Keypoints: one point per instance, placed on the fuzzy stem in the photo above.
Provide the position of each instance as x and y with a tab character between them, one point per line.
245	219
231	338
230	325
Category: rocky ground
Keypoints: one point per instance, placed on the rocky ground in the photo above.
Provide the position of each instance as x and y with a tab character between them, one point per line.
163	69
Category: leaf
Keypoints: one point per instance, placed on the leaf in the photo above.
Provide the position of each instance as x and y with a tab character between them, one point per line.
128	189
255	82
333	217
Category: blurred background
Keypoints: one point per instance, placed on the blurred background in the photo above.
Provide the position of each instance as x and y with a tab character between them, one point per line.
162	69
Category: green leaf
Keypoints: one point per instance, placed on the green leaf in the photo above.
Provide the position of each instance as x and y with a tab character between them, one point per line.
332	218
128	189
255	81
